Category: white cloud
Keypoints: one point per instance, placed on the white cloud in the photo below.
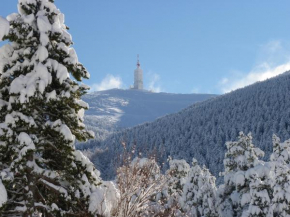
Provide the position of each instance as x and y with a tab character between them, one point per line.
273	59
275	52
224	81
260	73
109	82
153	84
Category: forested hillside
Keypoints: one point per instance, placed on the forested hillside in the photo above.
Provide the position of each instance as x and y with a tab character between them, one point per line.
201	130
114	109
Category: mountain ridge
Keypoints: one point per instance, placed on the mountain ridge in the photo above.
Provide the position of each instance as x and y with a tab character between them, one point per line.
115	109
202	129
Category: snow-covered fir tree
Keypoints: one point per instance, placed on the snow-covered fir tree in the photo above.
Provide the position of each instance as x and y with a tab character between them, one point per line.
281	150
234	194
260	178
190	199
178	170
173	188
281	185
199	192
208	194
42	116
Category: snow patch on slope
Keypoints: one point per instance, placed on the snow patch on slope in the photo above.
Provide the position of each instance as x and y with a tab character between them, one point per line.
116	108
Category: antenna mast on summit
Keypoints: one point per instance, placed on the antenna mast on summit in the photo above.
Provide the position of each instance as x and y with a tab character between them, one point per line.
138	76
138	63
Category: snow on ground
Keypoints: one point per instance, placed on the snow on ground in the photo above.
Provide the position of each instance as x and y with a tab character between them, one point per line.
116	108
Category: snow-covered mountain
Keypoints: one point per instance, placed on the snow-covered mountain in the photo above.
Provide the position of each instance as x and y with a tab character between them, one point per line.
201	130
114	109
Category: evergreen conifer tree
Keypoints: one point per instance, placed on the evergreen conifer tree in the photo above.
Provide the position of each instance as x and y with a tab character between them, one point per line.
234	195
178	170
208	194
199	192
176	174
260	178
190	196
42	116
281	184
281	150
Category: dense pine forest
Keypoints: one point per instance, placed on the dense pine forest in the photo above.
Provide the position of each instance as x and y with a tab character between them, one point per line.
200	131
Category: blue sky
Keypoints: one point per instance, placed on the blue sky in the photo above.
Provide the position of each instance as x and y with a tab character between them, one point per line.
184	46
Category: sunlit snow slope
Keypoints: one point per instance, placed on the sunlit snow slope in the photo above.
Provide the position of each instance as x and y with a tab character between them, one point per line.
116	108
